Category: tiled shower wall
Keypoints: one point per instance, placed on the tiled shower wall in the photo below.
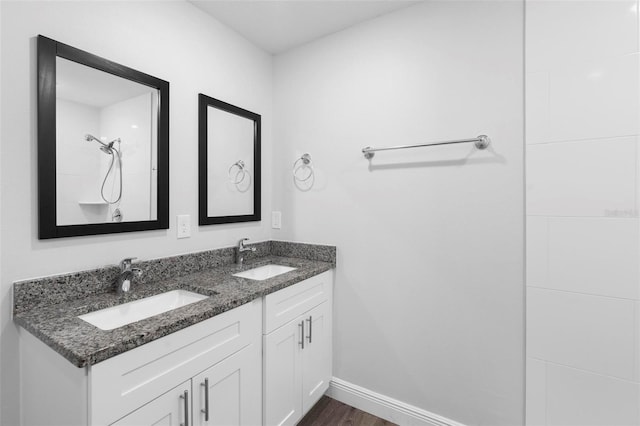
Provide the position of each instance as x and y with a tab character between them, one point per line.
583	237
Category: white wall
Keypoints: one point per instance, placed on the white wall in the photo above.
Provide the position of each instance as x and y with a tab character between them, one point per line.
77	164
170	40
429	287
583	231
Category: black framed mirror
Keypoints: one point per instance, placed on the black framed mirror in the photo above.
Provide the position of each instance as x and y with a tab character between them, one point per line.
228	163
103	145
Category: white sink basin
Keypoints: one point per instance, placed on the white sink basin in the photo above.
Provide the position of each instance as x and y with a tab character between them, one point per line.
117	316
264	272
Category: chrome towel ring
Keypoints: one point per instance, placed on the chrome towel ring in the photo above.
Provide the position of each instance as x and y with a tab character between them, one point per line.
299	167
241	173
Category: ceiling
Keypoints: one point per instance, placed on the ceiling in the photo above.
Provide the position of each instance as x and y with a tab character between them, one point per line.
85	85
277	26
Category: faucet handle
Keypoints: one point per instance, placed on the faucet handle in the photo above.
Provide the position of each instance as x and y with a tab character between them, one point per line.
241	243
125	263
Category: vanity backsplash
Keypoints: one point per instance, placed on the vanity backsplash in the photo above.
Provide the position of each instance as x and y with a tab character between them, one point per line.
28	294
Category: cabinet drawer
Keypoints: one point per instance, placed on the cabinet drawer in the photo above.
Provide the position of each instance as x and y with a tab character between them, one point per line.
123	383
287	304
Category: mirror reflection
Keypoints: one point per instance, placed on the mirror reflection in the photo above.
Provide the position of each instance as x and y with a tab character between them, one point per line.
106	159
229	161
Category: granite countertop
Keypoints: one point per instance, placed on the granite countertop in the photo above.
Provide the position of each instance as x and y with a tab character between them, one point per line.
83	344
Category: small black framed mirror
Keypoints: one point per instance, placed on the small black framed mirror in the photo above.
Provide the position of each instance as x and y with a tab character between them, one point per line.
228	163
103	145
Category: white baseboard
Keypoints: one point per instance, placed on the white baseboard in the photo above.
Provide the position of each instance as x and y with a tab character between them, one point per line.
383	406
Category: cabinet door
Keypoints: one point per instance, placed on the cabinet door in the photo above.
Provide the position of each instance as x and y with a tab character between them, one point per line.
282	375
166	410
230	390
317	355
121	384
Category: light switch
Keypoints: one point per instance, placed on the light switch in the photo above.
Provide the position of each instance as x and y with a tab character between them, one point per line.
184	225
276	220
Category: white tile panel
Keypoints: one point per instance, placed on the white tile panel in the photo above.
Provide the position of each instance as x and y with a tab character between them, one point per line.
561	32
536	392
537	107
594	255
580	398
594	100
537	251
587	178
592	333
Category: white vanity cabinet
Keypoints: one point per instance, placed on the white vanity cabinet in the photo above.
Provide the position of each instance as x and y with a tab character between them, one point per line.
225	394
147	384
265	362
297	349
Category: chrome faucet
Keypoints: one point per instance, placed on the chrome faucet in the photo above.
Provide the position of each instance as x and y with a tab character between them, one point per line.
242	249
127	274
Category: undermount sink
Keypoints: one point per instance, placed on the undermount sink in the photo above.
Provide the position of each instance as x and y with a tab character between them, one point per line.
264	272
117	316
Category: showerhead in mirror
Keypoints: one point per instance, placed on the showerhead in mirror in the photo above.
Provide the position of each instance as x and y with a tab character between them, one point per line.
106	148
109	149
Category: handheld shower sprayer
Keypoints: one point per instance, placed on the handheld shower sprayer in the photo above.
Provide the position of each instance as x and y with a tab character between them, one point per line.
109	149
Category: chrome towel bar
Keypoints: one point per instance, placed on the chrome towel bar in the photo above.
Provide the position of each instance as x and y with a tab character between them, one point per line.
481	142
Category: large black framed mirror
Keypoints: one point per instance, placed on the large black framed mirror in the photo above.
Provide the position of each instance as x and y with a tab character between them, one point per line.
103	145
228	163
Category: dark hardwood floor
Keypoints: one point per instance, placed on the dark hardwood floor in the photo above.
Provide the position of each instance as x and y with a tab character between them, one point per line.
329	412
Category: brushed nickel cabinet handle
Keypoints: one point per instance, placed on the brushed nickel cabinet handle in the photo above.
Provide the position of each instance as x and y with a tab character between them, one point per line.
310	327
185	396
301	325
206	399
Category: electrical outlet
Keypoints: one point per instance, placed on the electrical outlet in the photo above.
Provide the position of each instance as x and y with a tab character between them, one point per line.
276	220
184	225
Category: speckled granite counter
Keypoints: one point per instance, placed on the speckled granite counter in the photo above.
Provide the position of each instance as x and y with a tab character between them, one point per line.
57	323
